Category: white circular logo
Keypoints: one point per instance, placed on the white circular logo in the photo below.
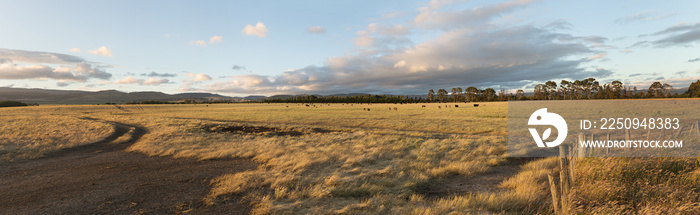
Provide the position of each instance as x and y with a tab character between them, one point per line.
542	117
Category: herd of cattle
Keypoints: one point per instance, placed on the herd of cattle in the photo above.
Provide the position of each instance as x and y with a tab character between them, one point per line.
390	108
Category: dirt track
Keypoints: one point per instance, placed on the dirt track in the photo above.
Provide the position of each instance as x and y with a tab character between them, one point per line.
486	182
102	178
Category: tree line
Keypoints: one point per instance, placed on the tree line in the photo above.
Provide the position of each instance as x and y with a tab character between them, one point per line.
564	90
366	98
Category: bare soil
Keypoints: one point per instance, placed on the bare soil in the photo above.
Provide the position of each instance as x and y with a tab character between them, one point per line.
486	182
102	178
249	129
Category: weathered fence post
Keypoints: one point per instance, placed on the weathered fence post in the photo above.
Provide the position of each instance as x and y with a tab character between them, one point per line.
555	197
563	177
592	150
607	149
627	138
581	150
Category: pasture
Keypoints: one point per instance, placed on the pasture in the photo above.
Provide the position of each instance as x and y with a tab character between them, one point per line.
348	158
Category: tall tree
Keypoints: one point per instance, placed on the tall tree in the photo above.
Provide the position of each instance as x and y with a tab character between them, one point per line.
551	88
519	94
694	89
454	94
564	87
431	95
656	89
460	97
471	93
540	92
490	94
617	88
442	95
667	90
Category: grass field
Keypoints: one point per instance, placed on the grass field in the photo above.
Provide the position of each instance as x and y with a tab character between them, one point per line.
341	158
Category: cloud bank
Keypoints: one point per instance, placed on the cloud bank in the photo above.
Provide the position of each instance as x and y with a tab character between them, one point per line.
21	64
470	49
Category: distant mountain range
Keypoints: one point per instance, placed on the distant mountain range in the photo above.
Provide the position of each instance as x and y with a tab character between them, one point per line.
44	96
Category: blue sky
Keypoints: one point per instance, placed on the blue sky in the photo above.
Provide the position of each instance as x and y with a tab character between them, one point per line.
326	47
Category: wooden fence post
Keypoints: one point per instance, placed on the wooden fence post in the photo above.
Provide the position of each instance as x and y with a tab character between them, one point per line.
565	177
555	197
592	150
607	149
581	150
627	138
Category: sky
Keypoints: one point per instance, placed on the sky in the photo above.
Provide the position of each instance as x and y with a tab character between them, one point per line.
240	48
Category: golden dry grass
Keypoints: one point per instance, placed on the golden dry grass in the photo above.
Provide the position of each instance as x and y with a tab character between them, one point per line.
367	162
31	132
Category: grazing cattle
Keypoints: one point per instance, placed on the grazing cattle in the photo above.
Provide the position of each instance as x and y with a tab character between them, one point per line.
287	105
396	109
456	106
307	105
476	105
423	105
439	107
367	109
389	108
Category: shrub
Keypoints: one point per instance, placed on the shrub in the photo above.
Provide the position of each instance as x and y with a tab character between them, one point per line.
12	104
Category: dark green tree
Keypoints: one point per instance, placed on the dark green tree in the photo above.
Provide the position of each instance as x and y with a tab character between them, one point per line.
694	89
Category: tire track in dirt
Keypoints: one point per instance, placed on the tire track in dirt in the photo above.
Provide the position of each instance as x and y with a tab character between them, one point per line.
484	182
103	178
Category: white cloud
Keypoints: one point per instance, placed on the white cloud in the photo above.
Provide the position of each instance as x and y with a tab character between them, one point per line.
198	43
154	81
364	38
597	56
384	30
258	30
400	64
431	17
199	77
75	50
149	82
67	67
129	80
316	30
166	35
645	16
216	39
104	51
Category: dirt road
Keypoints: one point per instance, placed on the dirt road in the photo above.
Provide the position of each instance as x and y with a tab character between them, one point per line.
102	178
